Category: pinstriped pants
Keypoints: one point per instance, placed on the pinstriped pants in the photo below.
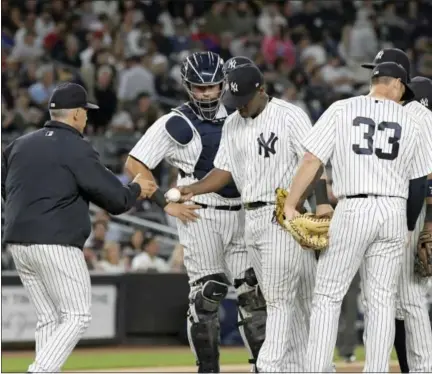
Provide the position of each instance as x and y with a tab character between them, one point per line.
58	283
214	244
412	307
371	232
278	260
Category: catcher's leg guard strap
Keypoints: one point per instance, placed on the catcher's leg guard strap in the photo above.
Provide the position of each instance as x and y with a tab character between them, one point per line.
203	321
252	316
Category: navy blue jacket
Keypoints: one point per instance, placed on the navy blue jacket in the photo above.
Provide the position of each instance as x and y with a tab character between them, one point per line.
48	179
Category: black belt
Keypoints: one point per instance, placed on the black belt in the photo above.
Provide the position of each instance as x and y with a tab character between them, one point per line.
183	174
365	196
220	207
256	205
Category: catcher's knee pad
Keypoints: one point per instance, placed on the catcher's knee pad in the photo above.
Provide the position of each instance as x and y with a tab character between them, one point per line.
252	315
203	321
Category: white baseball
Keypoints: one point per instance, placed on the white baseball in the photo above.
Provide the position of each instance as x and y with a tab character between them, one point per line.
173	195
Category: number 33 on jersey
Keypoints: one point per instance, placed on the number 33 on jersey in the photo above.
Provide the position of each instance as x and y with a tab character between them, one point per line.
370	143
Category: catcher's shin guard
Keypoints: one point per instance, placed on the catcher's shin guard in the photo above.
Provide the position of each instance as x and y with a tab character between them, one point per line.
252	315
400	346
203	321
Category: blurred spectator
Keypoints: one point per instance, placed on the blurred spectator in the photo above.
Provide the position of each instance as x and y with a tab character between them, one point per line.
148	259
176	262
145	112
338	76
134	79
28	48
136	242
113	233
70	55
181	40
105	97
121	123
90	258
41	91
279	44
97	239
112	260
270	19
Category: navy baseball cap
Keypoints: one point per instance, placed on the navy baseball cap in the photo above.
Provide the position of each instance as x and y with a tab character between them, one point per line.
393	70
391	55
235	62
242	84
422	88
70	96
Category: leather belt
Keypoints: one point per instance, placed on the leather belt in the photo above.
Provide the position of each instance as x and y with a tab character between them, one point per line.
365	196
256	205
220	207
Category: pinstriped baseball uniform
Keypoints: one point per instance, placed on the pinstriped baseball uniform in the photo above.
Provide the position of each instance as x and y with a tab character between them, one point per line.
216	239
375	147
58	283
412	302
262	154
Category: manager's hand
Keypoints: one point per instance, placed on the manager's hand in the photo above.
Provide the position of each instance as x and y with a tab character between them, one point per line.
148	187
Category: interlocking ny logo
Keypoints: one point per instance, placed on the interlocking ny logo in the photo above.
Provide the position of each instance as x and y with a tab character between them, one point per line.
234	87
379	55
424	101
268	146
232	64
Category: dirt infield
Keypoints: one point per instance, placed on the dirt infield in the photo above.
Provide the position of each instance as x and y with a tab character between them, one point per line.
355	367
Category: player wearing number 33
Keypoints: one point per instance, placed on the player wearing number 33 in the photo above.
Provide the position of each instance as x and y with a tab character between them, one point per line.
413	340
375	147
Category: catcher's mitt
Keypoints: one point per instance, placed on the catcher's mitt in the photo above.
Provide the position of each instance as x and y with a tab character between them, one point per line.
423	258
310	230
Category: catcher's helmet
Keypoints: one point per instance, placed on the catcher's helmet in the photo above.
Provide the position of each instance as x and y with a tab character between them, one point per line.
235	62
203	69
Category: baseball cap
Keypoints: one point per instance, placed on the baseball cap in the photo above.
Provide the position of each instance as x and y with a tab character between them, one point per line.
391	55
235	62
70	96
422	88
242	85
393	70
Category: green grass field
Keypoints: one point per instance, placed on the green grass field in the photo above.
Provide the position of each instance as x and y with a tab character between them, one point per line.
135	358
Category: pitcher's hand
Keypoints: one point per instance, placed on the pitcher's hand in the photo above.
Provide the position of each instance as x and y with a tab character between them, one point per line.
148	187
182	211
186	193
290	212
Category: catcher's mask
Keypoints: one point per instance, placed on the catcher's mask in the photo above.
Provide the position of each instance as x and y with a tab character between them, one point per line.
199	71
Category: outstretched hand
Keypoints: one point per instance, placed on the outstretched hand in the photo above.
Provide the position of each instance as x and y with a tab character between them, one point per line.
184	212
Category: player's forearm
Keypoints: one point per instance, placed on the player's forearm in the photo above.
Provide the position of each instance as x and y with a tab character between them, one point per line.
304	177
313	186
428	218
214	181
134	167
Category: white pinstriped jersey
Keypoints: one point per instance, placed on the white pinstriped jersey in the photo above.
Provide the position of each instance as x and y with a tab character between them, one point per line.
422	114
157	144
375	147
263	153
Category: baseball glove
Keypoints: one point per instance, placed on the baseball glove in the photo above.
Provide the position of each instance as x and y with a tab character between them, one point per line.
309	230
423	258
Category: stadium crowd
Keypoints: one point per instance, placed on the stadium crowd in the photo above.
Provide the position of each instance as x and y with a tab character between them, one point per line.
127	54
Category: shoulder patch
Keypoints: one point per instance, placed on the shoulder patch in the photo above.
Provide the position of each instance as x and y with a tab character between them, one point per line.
179	130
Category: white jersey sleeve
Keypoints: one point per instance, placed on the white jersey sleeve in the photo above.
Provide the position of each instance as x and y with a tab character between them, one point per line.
300	129
422	163
222	159
321	139
155	145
